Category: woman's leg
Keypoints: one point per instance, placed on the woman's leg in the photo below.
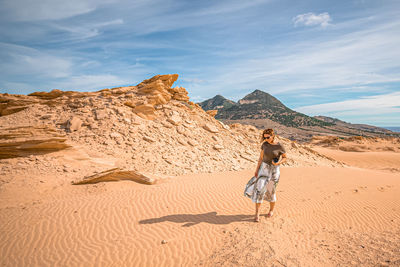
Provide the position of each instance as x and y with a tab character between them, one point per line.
257	218
271	209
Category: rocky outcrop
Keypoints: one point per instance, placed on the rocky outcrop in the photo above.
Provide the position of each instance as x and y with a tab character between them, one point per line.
212	112
116	174
28	140
149	128
10	104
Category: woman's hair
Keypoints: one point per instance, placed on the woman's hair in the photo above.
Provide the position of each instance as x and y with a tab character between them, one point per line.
270	132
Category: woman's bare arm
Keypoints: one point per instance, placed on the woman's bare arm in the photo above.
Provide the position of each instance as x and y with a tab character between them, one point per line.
282	159
259	162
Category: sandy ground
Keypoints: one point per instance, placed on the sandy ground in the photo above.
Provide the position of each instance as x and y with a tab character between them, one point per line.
324	216
384	161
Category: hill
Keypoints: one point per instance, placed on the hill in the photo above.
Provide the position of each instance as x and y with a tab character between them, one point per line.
261	105
217	102
263	110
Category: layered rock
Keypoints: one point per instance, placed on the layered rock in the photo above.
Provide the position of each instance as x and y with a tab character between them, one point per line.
10	104
116	174
28	140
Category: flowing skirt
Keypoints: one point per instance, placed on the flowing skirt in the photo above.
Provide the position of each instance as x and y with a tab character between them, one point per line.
264	187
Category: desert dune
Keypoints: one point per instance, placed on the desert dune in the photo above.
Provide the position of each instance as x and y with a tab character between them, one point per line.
324	216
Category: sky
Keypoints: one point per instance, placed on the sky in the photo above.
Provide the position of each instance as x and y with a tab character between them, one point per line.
333	58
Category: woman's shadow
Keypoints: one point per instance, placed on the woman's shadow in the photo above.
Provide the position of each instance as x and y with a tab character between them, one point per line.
193	219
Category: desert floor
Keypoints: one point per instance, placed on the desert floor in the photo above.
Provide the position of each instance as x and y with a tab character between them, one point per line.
324	216
385	161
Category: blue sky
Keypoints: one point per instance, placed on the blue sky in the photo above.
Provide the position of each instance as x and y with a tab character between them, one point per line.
333	58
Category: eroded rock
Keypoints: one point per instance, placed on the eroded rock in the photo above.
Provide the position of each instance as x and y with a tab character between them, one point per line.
117	174
74	124
211	128
24	141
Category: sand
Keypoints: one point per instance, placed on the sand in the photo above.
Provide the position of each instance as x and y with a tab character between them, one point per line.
327	213
384	161
324	216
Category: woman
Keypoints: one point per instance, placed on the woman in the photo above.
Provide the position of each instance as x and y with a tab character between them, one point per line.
263	185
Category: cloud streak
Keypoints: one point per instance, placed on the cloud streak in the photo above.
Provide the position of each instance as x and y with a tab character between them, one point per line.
217	47
361	58
311	19
376	104
25	10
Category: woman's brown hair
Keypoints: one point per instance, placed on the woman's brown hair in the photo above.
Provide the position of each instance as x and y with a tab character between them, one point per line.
270	132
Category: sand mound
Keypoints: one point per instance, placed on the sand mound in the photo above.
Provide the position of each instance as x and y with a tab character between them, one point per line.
324	216
357	143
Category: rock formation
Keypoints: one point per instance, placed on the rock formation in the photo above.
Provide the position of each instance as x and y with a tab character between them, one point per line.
22	141
149	128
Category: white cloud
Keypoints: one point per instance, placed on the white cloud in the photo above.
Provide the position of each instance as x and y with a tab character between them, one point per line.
85	31
22	60
90	82
192	80
196	98
26	10
368	105
354	59
311	19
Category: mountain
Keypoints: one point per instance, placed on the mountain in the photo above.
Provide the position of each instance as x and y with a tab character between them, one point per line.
259	105
263	110
217	102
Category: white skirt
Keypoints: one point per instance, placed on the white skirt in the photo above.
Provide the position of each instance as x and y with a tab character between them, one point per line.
263	188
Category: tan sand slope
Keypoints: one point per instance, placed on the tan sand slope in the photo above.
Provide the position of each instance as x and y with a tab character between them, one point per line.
384	161
358	143
324	216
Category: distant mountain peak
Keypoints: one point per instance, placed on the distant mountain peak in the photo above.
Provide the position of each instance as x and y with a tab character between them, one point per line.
258	105
217	102
261	97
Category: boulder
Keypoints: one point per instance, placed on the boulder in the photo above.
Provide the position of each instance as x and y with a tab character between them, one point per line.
156	88
149	139
115	135
218	147
117	174
101	114
145	111
211	128
175	119
74	124
179	93
212	112
193	142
